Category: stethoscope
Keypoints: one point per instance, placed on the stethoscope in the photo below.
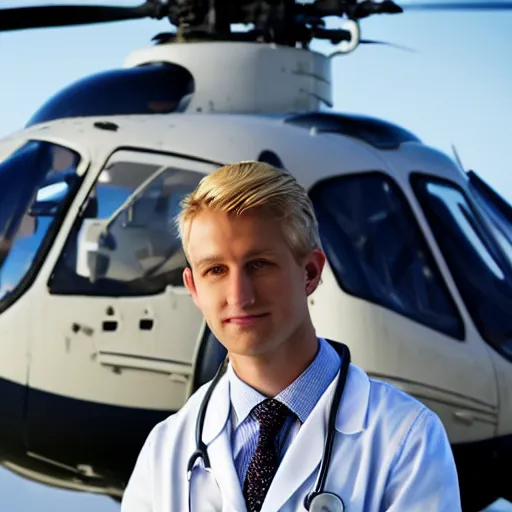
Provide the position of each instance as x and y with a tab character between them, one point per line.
317	500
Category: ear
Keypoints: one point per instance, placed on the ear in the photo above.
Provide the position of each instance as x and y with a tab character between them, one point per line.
188	279
314	266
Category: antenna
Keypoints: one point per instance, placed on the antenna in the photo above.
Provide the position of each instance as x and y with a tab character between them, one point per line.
457	158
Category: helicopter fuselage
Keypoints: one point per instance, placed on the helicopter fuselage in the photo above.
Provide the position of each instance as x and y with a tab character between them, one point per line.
100	340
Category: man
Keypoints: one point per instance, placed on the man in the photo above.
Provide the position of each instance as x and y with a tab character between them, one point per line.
251	239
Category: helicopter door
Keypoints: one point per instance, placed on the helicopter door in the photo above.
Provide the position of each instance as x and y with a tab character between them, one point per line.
117	320
498	212
130	256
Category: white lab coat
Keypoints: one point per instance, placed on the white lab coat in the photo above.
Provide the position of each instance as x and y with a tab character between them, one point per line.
390	454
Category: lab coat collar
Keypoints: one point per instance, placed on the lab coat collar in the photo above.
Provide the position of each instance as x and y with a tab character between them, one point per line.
351	418
217	437
217	412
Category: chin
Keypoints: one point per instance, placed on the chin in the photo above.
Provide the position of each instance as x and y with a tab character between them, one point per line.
251	345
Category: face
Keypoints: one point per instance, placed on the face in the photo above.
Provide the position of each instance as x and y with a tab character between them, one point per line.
246	281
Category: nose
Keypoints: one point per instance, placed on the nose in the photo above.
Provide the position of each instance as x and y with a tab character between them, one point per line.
241	289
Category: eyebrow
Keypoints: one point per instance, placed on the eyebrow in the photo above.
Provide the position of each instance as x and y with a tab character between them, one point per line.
210	260
216	259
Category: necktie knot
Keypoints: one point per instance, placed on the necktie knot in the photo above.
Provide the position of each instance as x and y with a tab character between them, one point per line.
271	416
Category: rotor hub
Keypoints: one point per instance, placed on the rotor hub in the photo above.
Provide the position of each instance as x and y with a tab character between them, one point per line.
254	78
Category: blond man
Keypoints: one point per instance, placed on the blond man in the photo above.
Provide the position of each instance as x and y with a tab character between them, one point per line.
251	239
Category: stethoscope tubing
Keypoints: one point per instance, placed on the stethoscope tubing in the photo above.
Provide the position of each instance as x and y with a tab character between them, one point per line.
201	448
331	427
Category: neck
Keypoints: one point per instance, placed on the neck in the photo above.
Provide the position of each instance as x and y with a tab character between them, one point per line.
274	371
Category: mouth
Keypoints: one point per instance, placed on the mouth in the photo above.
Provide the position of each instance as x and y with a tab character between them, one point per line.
245	319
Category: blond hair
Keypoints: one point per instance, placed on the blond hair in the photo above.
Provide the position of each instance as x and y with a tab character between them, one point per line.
243	186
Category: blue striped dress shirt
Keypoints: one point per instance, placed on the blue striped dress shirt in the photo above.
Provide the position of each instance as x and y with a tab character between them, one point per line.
300	396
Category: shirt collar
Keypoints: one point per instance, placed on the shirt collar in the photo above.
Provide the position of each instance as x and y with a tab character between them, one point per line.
243	397
316	379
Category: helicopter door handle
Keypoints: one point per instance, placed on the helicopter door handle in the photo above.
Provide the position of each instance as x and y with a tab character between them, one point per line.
110	325
146	324
464	417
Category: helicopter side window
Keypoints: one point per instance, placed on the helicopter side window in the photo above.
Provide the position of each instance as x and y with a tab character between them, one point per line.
476	260
377	251
128	243
37	183
497	211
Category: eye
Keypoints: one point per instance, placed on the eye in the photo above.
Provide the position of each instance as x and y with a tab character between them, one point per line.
217	270
258	265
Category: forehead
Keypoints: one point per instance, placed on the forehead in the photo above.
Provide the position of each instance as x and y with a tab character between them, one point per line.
213	233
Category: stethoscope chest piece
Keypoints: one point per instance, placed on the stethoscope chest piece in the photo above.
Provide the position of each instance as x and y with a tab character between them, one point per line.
327	502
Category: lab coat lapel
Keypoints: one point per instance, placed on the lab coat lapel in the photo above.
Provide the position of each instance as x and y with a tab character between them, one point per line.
305	453
302	457
217	437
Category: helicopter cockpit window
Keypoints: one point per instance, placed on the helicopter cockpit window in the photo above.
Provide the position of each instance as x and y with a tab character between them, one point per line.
156	88
37	183
479	265
126	242
497	211
377	251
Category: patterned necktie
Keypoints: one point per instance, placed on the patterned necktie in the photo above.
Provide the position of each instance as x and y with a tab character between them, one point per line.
271	416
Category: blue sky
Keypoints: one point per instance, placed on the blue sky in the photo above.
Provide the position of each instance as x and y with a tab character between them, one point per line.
454	90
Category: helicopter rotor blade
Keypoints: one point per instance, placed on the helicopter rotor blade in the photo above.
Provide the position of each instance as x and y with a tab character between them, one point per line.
385	43
66	15
458	6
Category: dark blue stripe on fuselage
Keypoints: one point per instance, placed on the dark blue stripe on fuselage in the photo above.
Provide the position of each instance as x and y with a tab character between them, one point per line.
72	432
12	406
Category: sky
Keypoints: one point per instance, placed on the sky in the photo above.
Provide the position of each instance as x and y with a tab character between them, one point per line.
454	89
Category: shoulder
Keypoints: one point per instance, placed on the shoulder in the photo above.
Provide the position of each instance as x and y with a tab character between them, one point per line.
386	410
400	420
386	400
410	442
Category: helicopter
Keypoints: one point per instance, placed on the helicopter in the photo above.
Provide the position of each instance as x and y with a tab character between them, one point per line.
100	339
